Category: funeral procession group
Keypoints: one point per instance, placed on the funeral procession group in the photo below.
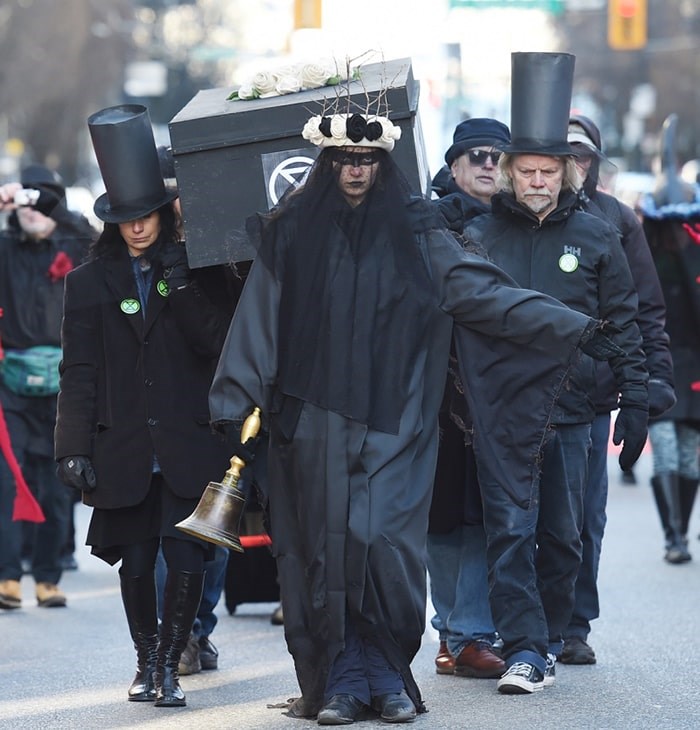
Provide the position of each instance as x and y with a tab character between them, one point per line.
417	379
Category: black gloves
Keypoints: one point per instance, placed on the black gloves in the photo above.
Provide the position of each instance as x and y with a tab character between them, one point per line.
452	213
77	472
596	343
630	431
662	397
232	432
176	271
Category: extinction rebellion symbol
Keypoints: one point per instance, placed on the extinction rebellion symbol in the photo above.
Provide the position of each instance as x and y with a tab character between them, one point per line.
290	172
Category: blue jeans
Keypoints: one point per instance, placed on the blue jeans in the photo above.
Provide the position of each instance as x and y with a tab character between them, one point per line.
214	579
534	551
55	499
595	499
459	587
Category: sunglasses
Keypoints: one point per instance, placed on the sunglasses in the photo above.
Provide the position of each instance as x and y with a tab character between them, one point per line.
355	159
478	157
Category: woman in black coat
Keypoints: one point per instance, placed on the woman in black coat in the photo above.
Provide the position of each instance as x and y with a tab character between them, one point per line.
140	342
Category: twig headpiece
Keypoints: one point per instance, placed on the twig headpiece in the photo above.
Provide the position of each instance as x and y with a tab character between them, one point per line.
346	122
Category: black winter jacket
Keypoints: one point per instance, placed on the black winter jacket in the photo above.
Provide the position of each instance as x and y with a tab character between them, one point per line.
132	388
578	259
651	316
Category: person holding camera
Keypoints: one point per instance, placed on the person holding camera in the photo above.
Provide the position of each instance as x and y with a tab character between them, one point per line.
41	242
141	336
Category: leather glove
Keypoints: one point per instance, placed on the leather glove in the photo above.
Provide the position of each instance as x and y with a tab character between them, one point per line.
452	213
176	271
662	397
630	431
596	343
77	472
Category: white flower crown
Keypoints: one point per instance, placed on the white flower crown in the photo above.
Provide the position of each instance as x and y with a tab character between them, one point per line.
341	130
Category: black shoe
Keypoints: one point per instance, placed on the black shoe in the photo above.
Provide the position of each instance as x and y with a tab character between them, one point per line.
628	477
521	678
208	654
189	659
395	707
577	651
340	710
677	552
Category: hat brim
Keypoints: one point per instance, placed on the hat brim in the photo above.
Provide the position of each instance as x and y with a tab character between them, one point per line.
461	148
580	138
124	213
540	147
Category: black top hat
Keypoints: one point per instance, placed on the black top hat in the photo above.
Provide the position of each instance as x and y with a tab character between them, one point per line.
540	103
122	137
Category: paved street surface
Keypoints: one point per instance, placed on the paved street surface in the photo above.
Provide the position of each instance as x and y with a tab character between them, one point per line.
70	667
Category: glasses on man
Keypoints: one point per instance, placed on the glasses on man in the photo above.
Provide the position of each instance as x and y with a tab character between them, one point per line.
478	157
355	159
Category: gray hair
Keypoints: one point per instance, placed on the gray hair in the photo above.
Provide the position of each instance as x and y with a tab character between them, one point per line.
572	177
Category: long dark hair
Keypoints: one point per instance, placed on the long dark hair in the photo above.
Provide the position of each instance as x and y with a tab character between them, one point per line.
110	241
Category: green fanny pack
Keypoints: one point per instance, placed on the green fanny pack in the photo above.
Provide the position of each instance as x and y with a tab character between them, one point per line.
33	371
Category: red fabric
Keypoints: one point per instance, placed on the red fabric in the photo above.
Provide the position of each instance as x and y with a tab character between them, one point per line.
26	507
253	541
693	231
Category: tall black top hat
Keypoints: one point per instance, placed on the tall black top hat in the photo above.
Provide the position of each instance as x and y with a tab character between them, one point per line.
128	160
540	103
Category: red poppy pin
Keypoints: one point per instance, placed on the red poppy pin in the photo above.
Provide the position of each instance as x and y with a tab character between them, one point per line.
60	266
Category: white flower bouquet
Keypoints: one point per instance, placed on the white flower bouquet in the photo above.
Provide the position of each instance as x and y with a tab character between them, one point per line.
292	78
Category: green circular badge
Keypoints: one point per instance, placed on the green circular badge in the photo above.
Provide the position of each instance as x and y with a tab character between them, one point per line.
568	263
163	288
130	306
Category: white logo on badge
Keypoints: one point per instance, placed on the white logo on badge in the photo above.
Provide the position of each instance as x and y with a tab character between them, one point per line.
568	263
290	172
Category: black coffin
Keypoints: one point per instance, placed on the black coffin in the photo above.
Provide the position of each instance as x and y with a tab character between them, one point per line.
234	158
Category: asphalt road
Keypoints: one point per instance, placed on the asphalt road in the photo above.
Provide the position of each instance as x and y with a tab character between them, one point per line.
70	667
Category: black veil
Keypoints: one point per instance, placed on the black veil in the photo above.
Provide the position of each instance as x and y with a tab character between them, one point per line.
356	294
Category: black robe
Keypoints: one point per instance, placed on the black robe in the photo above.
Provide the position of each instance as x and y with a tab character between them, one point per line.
349	504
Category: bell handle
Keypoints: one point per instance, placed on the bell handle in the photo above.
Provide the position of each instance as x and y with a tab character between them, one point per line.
249	430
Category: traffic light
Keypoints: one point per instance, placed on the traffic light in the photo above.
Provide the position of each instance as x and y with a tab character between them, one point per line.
307	13
627	24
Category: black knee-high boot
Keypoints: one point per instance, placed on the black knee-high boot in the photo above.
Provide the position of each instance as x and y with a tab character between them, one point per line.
183	592
667	495
688	491
139	599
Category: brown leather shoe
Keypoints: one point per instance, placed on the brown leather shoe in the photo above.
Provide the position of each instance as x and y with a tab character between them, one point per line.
478	659
444	661
10	594
49	595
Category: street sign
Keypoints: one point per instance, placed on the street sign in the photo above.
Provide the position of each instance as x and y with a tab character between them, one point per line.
552	6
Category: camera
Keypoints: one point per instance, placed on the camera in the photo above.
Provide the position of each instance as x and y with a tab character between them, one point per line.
26	196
